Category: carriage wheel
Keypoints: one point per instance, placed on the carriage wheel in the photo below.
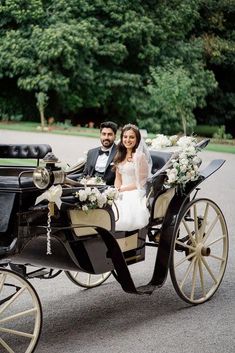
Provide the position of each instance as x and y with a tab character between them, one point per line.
200	251
87	280
20	314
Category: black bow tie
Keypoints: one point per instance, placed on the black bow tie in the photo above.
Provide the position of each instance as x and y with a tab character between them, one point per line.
103	152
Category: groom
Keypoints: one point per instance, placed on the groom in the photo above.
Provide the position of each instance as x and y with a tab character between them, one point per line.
99	159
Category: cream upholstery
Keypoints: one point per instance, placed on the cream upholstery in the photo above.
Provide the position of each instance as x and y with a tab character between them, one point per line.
97	217
162	202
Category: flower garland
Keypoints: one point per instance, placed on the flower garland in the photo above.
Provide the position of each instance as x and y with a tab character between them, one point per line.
91	198
185	166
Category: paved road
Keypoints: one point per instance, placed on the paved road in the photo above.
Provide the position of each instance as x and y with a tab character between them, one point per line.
107	320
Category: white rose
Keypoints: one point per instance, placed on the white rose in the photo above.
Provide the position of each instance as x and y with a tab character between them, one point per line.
85	208
173	139
183	168
148	142
191	150
92	198
186	141
184	161
82	195
196	160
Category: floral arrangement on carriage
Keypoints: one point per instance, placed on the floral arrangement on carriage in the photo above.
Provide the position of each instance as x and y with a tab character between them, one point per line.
183	166
91	198
87	199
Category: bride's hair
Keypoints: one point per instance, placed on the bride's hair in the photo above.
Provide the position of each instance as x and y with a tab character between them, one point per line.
121	149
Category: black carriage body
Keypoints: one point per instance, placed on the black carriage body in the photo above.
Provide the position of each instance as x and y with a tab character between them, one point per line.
23	228
101	249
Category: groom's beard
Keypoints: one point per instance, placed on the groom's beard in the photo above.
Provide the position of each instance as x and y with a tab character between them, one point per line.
107	143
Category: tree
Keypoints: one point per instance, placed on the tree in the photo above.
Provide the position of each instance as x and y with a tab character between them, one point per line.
109	57
41	105
216	28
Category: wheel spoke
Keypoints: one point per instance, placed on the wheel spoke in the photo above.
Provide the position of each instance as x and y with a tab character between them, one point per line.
209	270
211	228
195	222
189	232
5	345
20	313
89	279
190	266
185	245
3	277
216	241
203	226
200	251
194	279
76	274
15	332
16	316
14	297
201	277
222	259
184	259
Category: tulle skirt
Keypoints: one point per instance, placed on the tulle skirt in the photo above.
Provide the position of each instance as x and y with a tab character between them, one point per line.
132	211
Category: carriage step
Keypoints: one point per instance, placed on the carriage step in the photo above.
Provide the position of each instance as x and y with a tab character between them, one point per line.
37	274
8	249
147	289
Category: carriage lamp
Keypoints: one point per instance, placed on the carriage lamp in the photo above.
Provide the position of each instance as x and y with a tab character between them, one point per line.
49	175
41	178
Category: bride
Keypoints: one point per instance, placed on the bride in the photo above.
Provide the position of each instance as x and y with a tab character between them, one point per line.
133	167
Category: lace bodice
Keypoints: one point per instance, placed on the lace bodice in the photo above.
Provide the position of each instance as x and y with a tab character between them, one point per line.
127	171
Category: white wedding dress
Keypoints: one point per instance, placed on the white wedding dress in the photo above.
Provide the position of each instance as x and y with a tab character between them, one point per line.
131	205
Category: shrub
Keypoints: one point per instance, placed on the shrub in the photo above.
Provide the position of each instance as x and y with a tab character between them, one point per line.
205	130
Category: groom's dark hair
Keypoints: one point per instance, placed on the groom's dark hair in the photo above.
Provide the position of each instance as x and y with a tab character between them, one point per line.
110	125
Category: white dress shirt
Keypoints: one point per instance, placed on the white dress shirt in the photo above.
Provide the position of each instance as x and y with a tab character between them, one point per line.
102	160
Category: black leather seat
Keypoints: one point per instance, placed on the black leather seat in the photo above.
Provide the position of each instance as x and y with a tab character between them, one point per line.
9	176
159	159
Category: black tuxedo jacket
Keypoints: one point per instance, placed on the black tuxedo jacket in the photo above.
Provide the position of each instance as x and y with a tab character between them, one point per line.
92	155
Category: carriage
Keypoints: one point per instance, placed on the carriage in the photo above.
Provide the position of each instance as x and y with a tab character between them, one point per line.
41	240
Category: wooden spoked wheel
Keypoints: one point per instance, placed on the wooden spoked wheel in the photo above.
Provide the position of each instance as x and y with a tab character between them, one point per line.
87	280
20	314
200	251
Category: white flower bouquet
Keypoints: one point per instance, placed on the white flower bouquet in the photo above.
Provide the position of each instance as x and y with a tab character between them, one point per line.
92	181
161	141
185	167
91	198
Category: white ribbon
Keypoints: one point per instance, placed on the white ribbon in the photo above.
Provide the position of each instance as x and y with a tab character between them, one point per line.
52	195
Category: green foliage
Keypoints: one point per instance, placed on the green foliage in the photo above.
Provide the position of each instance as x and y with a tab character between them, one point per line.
220	134
216	28
205	130
136	61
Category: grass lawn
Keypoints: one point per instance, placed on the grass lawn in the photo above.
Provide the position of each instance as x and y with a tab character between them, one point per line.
221	148
90	132
35	127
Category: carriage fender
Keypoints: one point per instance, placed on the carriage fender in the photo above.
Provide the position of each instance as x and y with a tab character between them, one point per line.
170	223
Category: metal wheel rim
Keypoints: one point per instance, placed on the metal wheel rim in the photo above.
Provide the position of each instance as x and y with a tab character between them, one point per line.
20	314
87	280
200	252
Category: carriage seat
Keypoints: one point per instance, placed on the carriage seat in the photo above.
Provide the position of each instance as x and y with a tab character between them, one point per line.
159	159
20	177
24	151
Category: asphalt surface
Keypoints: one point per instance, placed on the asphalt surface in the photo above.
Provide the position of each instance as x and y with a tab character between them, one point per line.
106	319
